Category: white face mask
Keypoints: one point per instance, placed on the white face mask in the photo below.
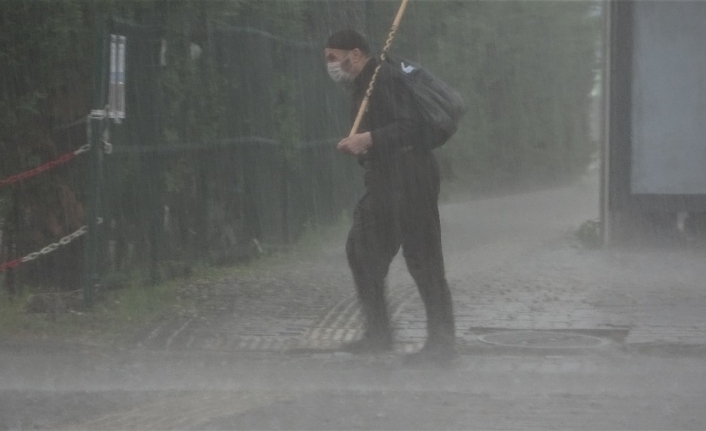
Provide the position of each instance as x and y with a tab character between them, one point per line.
337	73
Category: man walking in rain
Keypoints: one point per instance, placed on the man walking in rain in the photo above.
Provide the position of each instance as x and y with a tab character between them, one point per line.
400	206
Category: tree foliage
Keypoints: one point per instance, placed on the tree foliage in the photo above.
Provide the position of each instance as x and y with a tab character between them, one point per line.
526	70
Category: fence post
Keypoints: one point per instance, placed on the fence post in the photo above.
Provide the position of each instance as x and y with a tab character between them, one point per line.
94	134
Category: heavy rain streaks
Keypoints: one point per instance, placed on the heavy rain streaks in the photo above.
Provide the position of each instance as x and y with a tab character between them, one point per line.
185	265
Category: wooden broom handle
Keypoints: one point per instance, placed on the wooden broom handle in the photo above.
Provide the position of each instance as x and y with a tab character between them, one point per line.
364	105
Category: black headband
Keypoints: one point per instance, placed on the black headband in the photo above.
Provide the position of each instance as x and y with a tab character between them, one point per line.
348	40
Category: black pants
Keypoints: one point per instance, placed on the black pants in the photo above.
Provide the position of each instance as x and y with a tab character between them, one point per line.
400	208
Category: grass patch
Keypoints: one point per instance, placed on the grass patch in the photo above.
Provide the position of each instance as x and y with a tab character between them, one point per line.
116	316
128	307
137	303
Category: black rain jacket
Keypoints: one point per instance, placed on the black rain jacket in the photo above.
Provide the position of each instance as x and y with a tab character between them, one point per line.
393	119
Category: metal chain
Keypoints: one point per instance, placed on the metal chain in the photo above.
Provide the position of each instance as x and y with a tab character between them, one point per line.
65	158
63	241
83	149
107	148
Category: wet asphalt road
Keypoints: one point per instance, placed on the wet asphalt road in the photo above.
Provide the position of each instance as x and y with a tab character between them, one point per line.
514	268
609	389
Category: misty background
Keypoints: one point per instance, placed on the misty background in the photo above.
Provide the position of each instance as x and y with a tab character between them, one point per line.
227	149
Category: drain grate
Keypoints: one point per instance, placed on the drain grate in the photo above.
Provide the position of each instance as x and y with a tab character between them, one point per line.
542	339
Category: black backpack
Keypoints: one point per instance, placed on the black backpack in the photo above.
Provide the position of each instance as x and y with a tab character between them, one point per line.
441	106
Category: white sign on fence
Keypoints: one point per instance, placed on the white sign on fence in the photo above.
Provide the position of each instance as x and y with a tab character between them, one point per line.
116	93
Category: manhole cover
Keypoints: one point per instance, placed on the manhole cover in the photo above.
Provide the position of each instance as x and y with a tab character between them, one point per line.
542	339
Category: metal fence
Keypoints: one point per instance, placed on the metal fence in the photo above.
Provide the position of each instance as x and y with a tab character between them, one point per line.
226	149
273	171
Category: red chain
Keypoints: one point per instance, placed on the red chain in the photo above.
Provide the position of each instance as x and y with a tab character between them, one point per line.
10	264
38	170
28	174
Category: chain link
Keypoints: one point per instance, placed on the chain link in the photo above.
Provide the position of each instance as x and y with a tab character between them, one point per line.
30	256
62	242
107	148
83	149
51	247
